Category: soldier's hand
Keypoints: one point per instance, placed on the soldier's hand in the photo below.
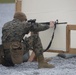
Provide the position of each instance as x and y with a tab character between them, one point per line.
52	24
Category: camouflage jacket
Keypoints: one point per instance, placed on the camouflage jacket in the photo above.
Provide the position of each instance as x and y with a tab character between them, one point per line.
15	30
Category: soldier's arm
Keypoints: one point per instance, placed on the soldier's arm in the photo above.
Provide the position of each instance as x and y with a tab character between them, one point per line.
36	27
41	27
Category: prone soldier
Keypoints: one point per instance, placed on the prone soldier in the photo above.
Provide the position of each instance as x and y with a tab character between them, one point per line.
12	40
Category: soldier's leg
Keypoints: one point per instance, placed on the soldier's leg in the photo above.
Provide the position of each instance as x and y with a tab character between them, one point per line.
38	49
16	52
32	57
7	61
26	48
13	53
25	51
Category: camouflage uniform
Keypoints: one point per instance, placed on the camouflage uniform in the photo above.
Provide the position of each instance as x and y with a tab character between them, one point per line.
12	36
15	30
33	43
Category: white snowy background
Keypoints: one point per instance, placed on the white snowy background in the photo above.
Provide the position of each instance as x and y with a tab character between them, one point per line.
62	66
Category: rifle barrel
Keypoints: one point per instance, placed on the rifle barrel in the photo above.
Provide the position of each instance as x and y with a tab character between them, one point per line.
62	23
56	23
45	23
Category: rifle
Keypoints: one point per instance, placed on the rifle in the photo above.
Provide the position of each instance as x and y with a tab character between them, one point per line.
48	23
56	22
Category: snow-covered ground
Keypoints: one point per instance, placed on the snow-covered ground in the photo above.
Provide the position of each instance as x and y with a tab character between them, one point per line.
62	67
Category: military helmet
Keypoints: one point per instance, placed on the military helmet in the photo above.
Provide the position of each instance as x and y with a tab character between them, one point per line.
21	16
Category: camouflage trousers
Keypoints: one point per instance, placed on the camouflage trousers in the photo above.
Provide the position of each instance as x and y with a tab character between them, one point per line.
13	53
33	43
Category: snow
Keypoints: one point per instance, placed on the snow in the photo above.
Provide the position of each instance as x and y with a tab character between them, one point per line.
62	67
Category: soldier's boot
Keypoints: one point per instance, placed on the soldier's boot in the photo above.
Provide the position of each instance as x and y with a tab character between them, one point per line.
43	64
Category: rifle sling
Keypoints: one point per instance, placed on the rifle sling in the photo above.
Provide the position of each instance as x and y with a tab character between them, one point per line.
51	39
